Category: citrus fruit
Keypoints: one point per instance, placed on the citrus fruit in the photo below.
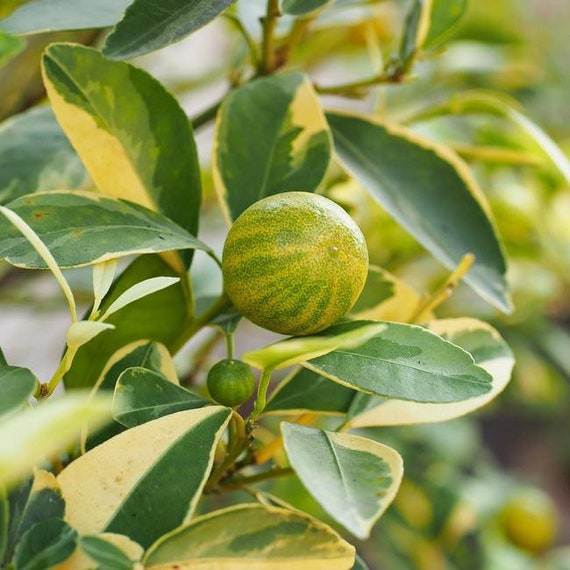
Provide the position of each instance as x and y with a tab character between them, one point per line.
529	519
230	382
294	263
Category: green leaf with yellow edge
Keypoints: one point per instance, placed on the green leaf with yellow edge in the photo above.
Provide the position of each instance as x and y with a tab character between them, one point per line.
106	554
34	435
489	351
17	386
82	228
159	317
111	551
151	356
353	478
481	101
149	26
53	15
430	192
35	155
385	297
45	545
306	391
250	536
406	362
142	395
294	350
288	146
147	480
132	135
302	7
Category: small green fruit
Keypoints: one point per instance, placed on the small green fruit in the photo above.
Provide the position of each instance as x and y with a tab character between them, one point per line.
294	263
231	382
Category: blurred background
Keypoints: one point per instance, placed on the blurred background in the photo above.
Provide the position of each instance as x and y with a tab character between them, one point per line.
489	491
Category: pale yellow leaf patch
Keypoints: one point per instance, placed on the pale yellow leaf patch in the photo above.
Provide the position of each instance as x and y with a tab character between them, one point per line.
96	484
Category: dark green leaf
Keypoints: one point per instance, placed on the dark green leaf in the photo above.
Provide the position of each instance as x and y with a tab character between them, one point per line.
142	395
52	15
35	155
160	317
81	228
106	555
306	390
302	7
45	545
17	385
44	502
3	358
410	39
430	192
288	141
149	355
148	26
406	362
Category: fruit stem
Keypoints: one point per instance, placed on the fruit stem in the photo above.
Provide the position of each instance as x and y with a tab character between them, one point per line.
261	399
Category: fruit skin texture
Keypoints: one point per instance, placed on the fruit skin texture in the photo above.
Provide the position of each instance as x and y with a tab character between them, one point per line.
231	382
294	263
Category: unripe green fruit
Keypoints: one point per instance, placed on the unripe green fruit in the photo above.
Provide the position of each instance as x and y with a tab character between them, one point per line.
294	263
231	382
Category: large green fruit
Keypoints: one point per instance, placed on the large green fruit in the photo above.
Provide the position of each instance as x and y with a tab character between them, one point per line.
294	263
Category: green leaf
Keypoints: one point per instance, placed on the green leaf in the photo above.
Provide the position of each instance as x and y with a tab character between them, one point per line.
294	350
10	46
54	15
159	317
306	390
481	101
252	536
414	32
158	467
431	192
32	436
45	545
142	395
149	26
386	298
82	228
443	19
406	362
44	502
17	386
139	291
353	478
35	155
105	554
288	144
302	7
3	360
4	523
149	355
489	351
132	135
